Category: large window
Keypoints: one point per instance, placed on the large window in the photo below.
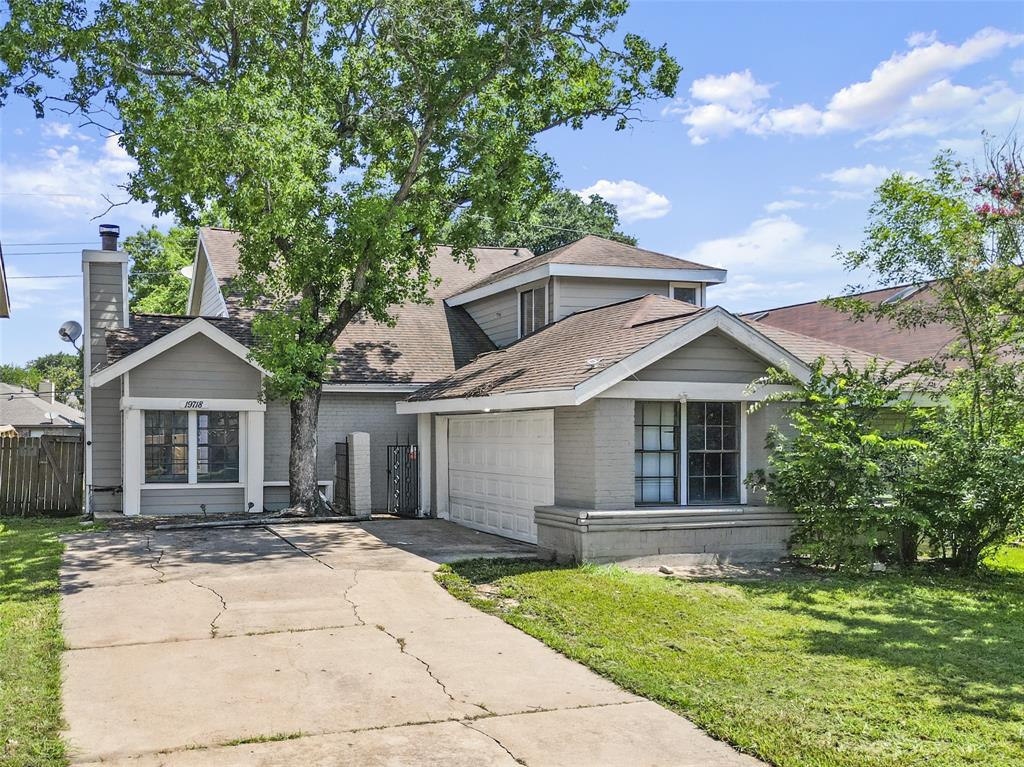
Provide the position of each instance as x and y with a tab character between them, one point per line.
217	442
533	306
712	452
656	454
166	446
192	446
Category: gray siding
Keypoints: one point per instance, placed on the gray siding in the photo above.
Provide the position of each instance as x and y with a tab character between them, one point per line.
758	424
341	414
106	306
578	293
497	316
211	302
712	358
106	444
594	455
186	500
195	369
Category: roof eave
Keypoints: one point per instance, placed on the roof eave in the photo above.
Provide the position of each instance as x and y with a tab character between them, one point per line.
683	274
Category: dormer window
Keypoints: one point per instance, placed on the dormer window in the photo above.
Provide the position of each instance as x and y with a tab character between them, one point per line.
683	292
533	309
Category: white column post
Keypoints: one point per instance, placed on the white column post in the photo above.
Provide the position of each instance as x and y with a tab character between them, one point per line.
441	452
133	455
424	460
360	501
253	460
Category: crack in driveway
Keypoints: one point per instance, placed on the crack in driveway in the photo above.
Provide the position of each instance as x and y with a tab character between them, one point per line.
154	566
500	745
223	606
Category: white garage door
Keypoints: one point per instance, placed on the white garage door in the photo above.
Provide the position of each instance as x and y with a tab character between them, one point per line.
500	466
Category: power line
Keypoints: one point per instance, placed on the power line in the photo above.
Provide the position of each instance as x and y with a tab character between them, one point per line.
34	244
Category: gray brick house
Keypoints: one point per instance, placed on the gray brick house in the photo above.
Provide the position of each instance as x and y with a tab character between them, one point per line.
587	399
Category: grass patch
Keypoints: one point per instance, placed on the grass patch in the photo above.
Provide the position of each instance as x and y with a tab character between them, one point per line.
838	671
30	641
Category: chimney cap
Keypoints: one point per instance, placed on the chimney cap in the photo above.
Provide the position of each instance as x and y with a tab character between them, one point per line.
108	236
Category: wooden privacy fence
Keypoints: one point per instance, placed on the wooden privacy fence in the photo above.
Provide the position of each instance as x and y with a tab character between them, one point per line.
41	475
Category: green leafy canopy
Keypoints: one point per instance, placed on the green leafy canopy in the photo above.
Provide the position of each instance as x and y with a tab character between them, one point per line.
342	138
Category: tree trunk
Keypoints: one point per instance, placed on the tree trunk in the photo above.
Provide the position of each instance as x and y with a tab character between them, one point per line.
304	494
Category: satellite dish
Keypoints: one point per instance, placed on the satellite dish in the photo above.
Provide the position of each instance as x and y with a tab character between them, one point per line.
70	331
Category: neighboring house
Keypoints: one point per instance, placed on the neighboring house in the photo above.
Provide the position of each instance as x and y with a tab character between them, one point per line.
875	336
586	399
5	296
33	414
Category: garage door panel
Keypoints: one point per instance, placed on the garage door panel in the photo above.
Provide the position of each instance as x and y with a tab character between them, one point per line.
500	466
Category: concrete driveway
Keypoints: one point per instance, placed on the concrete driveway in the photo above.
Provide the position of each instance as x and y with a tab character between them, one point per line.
328	645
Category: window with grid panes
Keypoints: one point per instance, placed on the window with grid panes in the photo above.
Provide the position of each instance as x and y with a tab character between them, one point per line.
712	452
217	447
166	446
656	453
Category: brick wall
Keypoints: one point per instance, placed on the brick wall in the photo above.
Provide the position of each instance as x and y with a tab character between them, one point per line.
594	455
341	414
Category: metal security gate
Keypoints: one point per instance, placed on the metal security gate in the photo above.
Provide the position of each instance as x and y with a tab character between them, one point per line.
341	477
41	475
403	480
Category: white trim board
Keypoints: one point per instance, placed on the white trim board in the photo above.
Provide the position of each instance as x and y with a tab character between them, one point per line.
583	270
713	319
372	388
175	337
707	392
182	403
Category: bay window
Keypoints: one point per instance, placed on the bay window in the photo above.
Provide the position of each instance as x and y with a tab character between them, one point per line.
189	447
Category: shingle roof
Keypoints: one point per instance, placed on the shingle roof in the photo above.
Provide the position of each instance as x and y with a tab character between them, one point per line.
427	342
592	250
146	328
877	337
556	357
22	407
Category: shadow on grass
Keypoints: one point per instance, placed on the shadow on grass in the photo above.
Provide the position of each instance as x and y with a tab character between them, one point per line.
29	557
962	636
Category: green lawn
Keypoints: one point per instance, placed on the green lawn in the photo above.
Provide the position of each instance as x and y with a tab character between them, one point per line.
30	641
924	669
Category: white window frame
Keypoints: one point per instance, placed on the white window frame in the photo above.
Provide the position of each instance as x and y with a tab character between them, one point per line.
698	286
519	305
193	454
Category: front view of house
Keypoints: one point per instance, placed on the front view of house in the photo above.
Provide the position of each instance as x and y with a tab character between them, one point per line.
587	400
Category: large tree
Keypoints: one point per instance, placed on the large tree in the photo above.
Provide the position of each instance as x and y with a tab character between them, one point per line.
63	369
341	137
559	218
155	282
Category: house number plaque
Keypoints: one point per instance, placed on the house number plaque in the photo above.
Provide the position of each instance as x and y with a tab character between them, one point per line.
194	404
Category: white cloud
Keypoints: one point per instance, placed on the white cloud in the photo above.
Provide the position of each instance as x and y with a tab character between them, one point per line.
738	90
917	39
56	128
66	181
635	201
772	262
1017	67
780	205
905	95
863	176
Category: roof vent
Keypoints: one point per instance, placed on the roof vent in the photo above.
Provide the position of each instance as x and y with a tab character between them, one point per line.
758	316
593	362
902	295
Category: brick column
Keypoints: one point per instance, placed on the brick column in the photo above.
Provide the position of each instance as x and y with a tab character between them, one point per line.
359	474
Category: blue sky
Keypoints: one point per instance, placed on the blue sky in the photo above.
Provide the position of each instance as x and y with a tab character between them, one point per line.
787	116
